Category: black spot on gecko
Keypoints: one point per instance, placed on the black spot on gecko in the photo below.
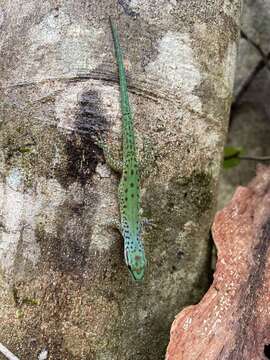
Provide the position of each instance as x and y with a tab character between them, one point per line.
131	184
132	195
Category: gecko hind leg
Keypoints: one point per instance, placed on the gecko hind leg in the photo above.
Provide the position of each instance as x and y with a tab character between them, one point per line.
114	223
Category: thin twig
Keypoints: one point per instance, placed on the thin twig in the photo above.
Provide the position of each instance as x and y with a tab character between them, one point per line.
255	158
8	354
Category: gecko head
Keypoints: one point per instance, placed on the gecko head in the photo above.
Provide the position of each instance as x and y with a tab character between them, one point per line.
136	262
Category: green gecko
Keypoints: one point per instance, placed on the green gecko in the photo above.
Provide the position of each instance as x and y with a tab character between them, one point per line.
130	224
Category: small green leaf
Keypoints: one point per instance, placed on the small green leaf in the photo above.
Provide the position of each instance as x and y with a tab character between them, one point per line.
229	163
231	151
231	156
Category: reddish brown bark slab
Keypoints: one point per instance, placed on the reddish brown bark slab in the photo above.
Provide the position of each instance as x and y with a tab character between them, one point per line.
232	321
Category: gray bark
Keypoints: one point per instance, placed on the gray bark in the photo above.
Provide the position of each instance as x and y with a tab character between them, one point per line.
64	284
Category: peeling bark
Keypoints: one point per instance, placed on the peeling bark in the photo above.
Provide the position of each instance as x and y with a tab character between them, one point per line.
64	284
232	321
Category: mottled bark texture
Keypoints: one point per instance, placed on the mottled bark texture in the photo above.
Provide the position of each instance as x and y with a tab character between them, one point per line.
64	284
232	322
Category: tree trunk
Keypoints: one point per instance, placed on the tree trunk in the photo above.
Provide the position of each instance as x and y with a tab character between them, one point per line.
64	283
